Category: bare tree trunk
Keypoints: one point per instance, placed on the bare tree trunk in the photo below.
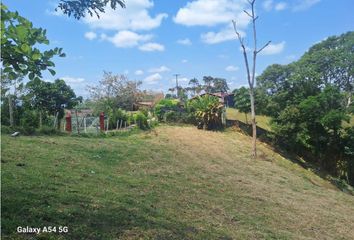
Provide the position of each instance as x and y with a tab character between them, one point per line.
11	111
349	101
40	119
246	118
251	75
254	125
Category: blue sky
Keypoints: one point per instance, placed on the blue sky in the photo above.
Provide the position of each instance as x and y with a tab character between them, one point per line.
152	40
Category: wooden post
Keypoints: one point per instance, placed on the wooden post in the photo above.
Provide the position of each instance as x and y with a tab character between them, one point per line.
85	124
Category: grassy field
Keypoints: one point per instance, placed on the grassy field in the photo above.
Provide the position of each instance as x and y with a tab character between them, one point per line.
169	183
262	121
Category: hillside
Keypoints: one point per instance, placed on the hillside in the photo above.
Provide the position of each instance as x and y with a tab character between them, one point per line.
170	183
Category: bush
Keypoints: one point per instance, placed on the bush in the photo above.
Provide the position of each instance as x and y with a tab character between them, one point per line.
46	130
164	106
170	116
117	115
141	120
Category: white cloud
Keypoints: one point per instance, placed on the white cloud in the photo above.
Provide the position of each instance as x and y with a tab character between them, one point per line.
212	13
134	17
153	79
150	47
268	5
126	39
185	41
272	49
184	61
280	6
225	34
73	80
90	35
209	12
231	68
302	5
159	69
139	72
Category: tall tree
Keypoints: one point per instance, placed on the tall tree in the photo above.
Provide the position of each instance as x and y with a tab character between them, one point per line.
115	91
251	72
195	86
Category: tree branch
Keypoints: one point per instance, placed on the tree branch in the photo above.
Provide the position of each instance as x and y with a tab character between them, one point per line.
248	13
264	47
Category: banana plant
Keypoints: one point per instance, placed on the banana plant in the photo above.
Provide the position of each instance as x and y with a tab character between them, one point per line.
208	111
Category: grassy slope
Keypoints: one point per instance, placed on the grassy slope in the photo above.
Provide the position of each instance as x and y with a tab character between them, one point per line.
172	183
262	121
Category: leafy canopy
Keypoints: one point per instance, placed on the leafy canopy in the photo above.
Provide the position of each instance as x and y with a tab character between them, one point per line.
79	8
19	40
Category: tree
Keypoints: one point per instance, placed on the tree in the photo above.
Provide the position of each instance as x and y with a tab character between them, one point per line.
195	86
115	91
50	98
327	63
20	54
79	8
214	85
251	73
242	101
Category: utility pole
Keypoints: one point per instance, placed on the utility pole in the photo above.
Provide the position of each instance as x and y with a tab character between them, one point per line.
176	75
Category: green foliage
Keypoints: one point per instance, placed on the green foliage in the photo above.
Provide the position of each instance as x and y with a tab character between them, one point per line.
310	99
20	54
349	152
208	111
164	106
46	130
242	100
79	8
141	120
213	85
117	115
50	98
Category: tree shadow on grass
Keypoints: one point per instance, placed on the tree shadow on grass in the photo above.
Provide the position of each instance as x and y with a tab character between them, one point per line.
127	218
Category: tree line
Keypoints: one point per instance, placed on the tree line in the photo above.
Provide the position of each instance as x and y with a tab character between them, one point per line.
310	103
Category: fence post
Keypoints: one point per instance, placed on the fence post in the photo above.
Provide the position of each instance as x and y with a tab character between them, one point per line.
68	122
102	121
85	124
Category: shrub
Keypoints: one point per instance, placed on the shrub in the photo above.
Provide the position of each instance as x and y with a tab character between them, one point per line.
166	105
141	120
46	130
207	111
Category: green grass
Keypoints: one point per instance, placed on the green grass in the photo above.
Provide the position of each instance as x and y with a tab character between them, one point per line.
262	121
170	183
